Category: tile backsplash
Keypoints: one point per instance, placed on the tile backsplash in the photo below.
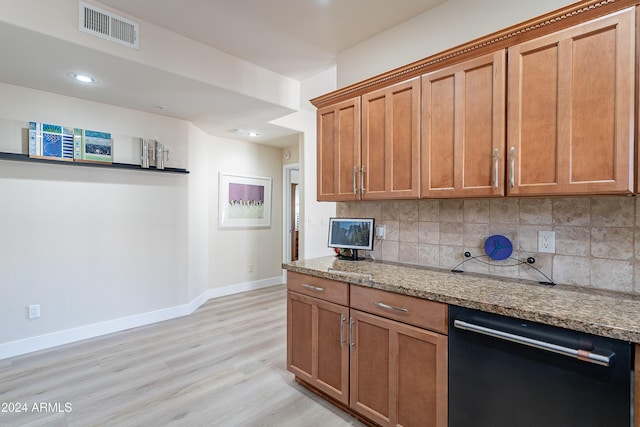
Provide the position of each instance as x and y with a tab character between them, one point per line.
597	238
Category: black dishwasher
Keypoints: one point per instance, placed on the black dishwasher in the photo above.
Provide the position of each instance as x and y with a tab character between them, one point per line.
514	373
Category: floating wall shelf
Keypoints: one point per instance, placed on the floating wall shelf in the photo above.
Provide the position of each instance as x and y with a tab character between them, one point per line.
25	158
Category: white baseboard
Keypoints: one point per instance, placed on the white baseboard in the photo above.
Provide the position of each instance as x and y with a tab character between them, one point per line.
54	339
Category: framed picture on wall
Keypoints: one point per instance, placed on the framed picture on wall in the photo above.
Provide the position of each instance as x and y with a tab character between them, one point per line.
244	201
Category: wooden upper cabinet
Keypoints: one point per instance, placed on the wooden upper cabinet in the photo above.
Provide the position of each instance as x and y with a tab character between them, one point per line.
463	129
339	151
391	142
571	108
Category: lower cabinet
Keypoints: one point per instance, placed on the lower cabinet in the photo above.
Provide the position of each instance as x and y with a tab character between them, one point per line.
382	355
398	372
317	333
317	346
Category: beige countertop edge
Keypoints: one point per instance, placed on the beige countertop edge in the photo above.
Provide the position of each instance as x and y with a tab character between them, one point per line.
608	314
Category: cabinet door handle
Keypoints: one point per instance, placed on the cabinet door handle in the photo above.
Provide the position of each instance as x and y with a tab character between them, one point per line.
351	332
355	185
390	307
512	172
313	288
496	158
342	339
362	171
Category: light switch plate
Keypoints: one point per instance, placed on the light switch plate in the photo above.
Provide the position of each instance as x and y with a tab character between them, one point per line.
34	311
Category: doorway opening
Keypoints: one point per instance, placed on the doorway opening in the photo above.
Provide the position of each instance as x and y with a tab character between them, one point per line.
291	215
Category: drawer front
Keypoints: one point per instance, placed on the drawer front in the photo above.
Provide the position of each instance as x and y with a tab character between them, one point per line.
414	311
325	289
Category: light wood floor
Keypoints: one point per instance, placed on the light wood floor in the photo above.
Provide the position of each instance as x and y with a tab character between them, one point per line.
224	365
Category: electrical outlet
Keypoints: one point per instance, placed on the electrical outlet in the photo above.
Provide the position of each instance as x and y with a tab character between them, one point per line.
547	242
381	231
34	311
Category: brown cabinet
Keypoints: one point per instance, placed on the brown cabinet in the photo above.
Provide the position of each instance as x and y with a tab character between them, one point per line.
317	332
384	359
391	142
418	312
318	287
373	153
463	129
570	110
338	154
398	372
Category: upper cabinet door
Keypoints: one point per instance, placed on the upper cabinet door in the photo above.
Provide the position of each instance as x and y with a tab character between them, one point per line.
391	142
339	151
570	110
463	129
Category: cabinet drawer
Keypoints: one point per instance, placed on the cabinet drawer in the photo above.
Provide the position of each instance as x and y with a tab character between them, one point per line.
414	311
328	290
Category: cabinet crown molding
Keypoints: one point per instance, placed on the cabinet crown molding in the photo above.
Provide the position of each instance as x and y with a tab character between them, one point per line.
573	14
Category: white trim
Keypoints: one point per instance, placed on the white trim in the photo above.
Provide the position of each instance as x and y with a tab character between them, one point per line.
67	336
242	287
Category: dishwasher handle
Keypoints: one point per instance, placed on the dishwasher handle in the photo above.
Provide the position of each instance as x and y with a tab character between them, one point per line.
584	355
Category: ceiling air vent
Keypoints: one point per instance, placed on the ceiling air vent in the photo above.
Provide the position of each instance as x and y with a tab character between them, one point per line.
108	26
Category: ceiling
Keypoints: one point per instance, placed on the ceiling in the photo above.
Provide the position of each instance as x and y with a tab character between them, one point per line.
293	38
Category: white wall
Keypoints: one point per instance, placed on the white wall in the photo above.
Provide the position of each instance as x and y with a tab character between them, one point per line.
88	245
241	255
198	207
106	249
314	215
448	25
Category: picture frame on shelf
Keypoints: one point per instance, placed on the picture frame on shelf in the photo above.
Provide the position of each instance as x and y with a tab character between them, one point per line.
53	142
96	146
244	201
56	142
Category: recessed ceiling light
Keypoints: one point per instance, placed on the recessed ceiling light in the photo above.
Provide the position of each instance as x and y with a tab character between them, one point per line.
84	78
250	133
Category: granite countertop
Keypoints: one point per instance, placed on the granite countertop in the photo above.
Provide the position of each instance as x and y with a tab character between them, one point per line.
609	314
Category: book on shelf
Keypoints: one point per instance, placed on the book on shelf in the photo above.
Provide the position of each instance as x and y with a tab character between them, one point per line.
50	141
96	146
69	144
